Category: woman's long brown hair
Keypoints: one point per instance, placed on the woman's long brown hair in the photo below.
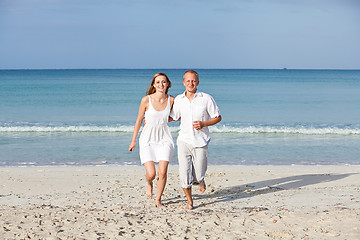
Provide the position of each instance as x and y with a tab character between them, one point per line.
152	89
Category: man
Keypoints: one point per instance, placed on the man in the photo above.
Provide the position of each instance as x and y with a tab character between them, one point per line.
197	111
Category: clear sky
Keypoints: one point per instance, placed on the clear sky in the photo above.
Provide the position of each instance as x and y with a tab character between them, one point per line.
311	34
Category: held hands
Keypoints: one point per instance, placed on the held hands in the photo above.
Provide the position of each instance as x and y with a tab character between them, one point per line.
198	125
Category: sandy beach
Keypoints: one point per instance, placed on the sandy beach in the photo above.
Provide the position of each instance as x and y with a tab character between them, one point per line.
241	202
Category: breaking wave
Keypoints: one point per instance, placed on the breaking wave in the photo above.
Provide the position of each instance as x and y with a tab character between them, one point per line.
303	130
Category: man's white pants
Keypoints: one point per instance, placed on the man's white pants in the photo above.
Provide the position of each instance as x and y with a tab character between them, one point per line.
192	164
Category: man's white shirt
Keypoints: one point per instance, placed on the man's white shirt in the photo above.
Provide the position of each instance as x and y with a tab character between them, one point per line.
201	108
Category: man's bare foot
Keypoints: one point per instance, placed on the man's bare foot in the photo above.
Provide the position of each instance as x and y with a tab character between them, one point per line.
149	190
202	187
189	207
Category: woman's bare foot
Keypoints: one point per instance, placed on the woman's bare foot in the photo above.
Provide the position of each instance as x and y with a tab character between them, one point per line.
149	190
202	187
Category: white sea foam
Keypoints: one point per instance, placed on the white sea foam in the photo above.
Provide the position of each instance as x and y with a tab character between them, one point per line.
287	130
67	129
303	130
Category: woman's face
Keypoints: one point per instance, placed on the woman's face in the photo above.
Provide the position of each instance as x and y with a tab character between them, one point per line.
161	84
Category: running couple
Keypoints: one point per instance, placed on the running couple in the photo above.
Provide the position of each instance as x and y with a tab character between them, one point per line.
196	111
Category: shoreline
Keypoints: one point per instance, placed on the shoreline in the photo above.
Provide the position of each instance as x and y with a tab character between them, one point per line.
137	164
241	202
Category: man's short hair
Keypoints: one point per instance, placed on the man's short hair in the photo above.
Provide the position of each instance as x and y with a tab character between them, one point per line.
193	72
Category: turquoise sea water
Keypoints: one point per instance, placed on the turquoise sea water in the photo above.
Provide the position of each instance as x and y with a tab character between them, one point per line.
50	117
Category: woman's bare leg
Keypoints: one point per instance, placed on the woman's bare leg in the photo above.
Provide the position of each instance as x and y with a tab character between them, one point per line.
150	176
162	177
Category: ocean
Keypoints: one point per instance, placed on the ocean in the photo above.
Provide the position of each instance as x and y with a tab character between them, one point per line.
86	117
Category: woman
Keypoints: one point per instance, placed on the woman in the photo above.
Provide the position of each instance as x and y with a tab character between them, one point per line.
156	143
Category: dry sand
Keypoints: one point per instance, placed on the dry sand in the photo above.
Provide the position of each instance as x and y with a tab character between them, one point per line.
241	202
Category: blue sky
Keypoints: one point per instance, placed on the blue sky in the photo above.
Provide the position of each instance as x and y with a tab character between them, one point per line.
320	34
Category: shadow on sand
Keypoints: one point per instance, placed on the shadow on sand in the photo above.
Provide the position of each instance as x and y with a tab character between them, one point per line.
268	186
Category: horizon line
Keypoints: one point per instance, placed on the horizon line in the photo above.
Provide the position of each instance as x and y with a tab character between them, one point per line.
14	69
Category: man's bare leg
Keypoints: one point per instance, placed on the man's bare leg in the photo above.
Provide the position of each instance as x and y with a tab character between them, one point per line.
188	195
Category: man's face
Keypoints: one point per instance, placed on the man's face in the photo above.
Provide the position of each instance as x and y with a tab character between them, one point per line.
190	82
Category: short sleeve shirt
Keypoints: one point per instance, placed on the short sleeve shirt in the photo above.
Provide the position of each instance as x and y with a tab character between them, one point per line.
201	108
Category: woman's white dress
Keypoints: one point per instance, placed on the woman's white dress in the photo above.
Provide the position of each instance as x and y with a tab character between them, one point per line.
156	142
